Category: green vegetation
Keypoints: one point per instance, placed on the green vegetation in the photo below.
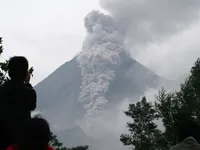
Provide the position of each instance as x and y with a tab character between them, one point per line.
168	108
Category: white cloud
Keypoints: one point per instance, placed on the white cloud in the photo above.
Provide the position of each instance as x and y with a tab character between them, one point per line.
173	58
47	32
163	35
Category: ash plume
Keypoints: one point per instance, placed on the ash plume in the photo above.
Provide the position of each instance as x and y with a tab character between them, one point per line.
130	24
146	21
101	53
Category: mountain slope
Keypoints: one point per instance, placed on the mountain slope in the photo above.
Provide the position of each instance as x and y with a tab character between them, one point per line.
58	94
90	90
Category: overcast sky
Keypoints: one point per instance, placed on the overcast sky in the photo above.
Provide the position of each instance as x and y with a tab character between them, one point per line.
162	34
47	32
50	32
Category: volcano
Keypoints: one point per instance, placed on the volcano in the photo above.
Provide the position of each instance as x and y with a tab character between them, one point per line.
99	79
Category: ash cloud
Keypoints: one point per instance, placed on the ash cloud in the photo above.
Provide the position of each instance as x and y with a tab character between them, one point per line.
101	53
133	24
160	33
145	21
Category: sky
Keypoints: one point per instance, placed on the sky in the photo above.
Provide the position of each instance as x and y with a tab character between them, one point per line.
47	32
163	35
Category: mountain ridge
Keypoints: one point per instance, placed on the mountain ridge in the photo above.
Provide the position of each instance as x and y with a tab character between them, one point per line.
58	96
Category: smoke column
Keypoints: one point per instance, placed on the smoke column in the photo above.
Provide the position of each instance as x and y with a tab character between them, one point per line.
101	53
136	23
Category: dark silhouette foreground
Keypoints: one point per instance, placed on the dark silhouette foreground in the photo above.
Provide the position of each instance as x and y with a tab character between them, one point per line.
17	100
35	136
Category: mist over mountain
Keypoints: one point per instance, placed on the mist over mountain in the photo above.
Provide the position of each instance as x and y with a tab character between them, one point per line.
62	87
83	98
58	94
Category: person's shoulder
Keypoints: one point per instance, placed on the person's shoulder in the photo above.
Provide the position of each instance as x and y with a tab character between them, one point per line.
50	148
28	87
175	147
182	146
12	147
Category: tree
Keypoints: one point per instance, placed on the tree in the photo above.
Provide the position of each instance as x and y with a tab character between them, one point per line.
60	146
3	66
173	109
189	95
1	47
79	148
56	143
143	130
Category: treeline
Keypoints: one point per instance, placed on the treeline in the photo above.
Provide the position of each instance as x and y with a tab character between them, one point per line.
168	109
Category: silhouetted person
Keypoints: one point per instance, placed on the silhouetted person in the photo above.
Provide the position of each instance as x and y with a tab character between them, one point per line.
189	136
36	136
17	99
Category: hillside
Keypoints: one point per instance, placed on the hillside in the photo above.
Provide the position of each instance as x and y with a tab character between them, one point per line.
58	94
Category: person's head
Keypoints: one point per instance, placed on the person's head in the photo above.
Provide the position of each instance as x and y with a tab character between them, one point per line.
37	134
189	128
18	68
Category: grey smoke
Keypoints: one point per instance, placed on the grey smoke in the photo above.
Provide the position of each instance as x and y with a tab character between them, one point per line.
160	33
98	61
101	52
145	21
130	24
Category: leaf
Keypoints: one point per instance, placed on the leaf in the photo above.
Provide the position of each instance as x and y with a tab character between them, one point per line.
31	71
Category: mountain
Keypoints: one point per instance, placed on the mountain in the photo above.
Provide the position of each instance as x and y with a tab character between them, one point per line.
74	136
84	99
58	95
